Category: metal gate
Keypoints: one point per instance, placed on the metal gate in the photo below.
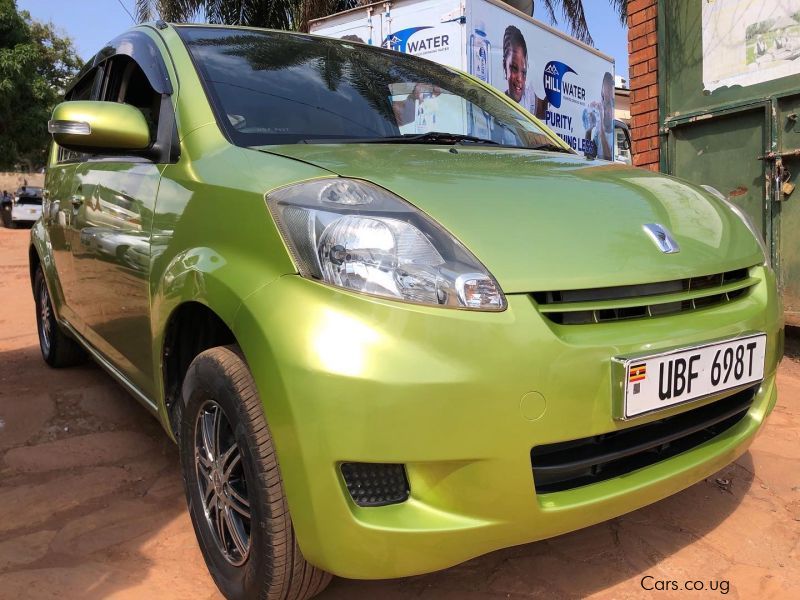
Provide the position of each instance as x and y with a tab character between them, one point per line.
743	139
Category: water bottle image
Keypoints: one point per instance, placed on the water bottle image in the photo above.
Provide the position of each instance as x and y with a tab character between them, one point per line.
426	108
479	44
591	116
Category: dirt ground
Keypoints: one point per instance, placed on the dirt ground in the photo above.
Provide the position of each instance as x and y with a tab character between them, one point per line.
91	503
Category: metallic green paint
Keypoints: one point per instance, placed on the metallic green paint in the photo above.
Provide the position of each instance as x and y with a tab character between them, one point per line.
348	377
112	126
533	217
359	379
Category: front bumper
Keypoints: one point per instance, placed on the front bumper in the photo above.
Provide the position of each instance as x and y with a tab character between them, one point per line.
344	377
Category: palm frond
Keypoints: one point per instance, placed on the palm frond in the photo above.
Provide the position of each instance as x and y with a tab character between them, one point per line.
621	8
549	6
574	15
178	11
295	14
145	10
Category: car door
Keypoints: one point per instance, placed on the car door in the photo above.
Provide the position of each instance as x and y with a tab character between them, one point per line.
57	208
112	212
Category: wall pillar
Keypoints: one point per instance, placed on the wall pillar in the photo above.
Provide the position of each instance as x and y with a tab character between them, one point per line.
643	59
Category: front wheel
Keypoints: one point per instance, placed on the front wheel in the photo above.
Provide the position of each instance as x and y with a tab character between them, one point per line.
233	485
58	349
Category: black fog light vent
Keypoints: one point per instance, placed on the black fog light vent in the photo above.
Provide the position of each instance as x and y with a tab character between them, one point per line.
376	484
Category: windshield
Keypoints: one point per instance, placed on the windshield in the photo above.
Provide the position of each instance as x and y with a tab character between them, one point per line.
272	87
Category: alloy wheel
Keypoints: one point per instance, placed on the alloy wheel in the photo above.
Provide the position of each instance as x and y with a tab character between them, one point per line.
44	318
223	487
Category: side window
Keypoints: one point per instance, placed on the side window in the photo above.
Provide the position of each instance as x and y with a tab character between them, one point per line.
126	82
81	91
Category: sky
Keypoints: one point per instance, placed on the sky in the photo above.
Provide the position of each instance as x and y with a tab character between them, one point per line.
91	23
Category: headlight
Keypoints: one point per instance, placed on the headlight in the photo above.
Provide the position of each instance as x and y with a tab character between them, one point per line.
358	236
745	218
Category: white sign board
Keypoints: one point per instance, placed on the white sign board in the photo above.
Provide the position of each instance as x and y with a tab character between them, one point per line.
567	86
746	42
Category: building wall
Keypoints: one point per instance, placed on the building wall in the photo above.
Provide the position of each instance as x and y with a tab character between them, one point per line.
11	181
643	58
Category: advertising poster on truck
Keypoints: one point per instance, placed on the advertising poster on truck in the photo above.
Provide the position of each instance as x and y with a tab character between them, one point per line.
566	86
565	83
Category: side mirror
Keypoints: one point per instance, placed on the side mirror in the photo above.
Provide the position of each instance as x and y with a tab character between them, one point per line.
91	126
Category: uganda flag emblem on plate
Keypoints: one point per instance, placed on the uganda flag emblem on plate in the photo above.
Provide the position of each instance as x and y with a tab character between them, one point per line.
637	372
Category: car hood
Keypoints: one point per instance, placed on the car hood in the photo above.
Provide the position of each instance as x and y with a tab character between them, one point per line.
544	221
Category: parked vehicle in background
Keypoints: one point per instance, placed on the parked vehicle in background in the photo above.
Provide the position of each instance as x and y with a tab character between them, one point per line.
623	152
562	81
26	207
383	352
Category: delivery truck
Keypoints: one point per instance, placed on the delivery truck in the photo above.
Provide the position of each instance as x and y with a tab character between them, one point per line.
564	82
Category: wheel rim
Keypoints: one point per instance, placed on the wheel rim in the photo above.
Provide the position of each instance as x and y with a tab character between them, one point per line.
222	484
44	318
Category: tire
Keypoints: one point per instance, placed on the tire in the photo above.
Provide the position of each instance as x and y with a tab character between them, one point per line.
262	561
58	349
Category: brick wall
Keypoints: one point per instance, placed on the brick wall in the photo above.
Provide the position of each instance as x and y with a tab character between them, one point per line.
643	59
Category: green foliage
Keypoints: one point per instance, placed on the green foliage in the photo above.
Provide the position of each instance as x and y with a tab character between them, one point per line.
295	14
273	14
35	66
573	13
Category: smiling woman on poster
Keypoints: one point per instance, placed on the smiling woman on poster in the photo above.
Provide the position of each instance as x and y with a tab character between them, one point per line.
515	68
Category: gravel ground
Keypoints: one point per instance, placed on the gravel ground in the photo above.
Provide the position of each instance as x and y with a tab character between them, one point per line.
92	504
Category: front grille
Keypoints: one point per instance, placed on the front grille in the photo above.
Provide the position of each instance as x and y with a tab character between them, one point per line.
376	484
572	464
598	305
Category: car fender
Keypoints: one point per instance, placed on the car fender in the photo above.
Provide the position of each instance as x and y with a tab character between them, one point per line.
40	244
219	280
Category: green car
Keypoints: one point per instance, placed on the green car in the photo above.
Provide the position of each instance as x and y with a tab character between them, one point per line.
390	319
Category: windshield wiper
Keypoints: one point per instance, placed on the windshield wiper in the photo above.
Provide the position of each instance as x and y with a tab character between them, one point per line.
435	137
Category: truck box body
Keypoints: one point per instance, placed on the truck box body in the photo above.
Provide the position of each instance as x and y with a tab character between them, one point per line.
563	79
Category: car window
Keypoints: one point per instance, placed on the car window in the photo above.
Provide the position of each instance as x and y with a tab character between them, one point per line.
29	195
276	88
621	148
125	82
83	90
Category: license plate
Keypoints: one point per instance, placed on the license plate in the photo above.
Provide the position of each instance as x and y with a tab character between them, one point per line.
32	211
662	380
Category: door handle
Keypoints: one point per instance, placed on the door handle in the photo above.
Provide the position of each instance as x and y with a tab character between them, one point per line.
76	200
